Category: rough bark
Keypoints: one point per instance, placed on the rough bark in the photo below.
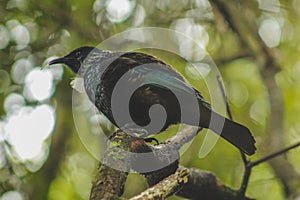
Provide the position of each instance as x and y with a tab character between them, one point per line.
193	183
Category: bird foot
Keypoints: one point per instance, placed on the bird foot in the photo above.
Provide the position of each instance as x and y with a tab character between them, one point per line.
151	139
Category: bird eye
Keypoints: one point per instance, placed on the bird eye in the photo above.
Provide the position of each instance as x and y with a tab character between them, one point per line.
78	54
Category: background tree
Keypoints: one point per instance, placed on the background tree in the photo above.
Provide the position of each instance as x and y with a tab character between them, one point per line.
254	44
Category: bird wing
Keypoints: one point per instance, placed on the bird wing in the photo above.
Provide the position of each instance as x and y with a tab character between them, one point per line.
156	73
147	69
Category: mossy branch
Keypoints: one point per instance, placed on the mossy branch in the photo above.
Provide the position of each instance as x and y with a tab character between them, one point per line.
171	179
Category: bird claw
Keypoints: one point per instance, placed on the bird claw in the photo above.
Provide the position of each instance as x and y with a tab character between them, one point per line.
151	139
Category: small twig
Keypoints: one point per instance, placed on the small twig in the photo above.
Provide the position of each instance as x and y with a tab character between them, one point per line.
229	112
245	181
245	161
224	97
273	155
250	165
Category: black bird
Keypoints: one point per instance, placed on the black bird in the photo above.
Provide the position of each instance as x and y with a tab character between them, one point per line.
145	81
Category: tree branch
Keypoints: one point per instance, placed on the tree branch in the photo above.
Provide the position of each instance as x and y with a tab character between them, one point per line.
205	185
166	187
109	183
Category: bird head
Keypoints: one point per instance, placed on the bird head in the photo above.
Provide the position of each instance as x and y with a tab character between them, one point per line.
75	59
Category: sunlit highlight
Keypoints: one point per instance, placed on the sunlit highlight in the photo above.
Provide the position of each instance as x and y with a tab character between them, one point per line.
270	32
26	130
4	37
39	85
119	10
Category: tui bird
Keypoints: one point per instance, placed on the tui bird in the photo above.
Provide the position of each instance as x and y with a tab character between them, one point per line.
134	89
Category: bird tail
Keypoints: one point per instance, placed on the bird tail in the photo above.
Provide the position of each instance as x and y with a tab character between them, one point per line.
237	134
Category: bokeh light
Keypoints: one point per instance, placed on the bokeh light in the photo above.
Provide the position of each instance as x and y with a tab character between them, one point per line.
197	33
20	4
27	129
4	80
98	5
139	16
257	112
270	32
13	102
21	36
118	11
38	85
193	71
20	69
80	164
238	93
168	5
12	195
4	37
3	160
270	5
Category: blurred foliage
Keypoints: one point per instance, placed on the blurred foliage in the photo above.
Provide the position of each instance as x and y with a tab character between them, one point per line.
32	31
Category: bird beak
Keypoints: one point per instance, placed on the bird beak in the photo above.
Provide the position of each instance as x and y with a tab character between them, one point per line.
52	62
56	61
70	62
